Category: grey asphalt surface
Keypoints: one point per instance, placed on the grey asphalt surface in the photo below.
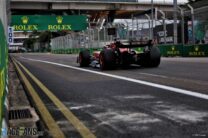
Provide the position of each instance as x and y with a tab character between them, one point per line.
113	108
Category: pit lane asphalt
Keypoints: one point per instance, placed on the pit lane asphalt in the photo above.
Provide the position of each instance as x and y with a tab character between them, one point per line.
116	108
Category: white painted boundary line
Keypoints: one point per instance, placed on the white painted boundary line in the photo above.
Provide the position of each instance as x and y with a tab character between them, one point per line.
169	88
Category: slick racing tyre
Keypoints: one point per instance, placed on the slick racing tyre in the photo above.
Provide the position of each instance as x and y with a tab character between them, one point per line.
107	59
84	58
125	59
151	58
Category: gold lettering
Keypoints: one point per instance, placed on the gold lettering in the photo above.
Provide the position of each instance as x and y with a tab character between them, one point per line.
35	27
15	27
25	27
50	27
190	54
69	27
56	27
30	27
59	27
173	52
63	27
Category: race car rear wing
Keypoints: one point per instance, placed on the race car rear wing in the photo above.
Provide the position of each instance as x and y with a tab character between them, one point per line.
133	44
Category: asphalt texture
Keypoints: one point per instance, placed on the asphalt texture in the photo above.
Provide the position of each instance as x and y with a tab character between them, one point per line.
113	108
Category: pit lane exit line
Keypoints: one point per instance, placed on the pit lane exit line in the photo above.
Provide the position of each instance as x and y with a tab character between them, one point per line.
77	124
53	127
169	88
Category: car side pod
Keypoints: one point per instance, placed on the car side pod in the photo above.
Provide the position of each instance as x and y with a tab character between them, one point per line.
150	57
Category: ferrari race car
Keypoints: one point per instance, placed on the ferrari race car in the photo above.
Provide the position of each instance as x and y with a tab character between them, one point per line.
121	54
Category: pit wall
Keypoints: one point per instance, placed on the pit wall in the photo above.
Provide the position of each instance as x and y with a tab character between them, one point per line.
3	77
166	50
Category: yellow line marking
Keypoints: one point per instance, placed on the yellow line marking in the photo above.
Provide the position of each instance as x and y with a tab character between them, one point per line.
81	128
47	117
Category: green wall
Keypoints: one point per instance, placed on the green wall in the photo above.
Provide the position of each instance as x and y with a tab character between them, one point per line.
184	51
3	70
166	50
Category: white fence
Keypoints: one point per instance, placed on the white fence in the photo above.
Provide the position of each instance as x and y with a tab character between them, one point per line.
88	39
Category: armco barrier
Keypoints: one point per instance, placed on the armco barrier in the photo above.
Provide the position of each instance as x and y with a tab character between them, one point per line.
166	50
3	72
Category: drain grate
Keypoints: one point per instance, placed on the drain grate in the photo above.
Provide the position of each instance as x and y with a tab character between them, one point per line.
19	114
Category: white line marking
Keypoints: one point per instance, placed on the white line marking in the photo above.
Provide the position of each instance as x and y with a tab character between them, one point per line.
154	75
81	107
169	88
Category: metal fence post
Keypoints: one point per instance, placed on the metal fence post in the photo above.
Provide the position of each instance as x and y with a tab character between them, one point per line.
152	18
132	29
104	33
182	25
192	17
98	30
127	30
148	17
164	25
175	26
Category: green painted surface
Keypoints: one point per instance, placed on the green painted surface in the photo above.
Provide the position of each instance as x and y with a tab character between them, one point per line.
3	69
195	51
51	23
171	50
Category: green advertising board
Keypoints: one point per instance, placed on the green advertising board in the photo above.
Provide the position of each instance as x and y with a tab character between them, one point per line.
3	69
171	50
166	50
47	22
195	51
184	50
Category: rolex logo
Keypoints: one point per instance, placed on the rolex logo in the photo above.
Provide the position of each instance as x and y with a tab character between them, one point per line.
59	19
173	48
196	48
25	19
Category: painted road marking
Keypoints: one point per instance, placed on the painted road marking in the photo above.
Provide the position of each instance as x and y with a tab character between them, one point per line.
198	82
81	128
154	75
47	117
169	88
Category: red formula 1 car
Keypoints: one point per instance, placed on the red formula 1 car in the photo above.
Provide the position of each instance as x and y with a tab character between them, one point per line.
121	54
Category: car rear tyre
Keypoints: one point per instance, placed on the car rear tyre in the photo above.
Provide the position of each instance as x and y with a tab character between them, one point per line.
125	59
107	59
84	58
151	58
